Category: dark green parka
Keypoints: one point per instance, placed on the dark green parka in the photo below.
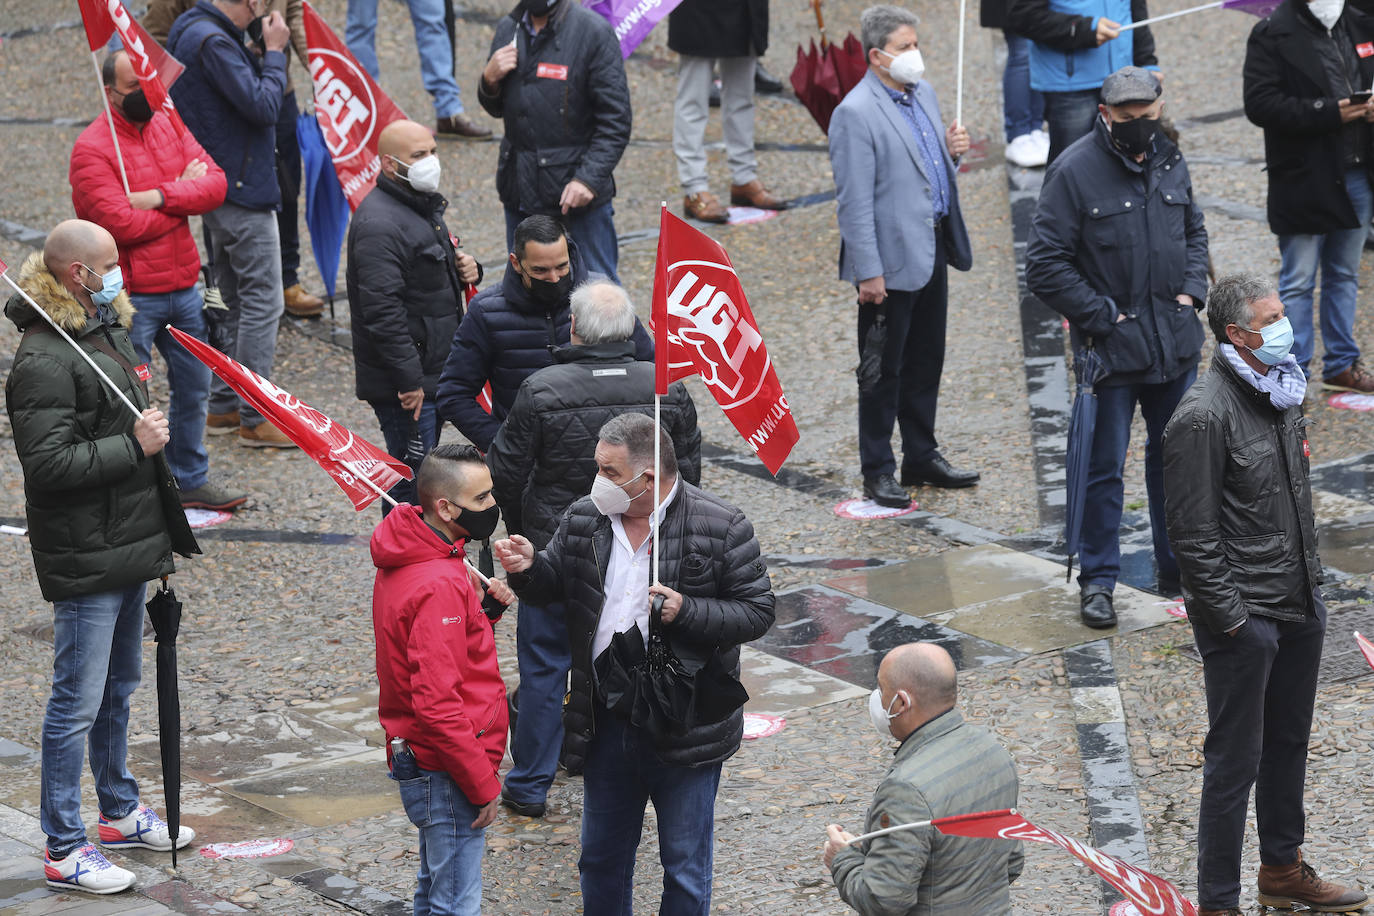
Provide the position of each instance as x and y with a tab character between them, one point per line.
101	516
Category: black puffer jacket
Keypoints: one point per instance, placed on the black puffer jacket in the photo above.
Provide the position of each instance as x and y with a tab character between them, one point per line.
719	28
1238	499
404	294
566	108
505	338
101	515
542	459
710	556
1113	237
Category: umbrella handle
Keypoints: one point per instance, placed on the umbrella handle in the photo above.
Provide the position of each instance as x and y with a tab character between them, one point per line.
820	23
656	613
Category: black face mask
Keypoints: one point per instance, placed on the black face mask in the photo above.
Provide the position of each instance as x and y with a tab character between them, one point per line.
136	108
478	525
550	293
1134	137
539	7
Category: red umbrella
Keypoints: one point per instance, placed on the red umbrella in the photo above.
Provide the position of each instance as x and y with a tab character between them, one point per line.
824	76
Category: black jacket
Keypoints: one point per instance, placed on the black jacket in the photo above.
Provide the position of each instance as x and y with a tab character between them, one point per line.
1111	237
1238	500
992	14
542	458
505	337
708	554
1287	93
566	108
404	294
719	28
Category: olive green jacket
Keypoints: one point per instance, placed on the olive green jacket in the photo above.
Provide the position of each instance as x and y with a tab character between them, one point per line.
102	516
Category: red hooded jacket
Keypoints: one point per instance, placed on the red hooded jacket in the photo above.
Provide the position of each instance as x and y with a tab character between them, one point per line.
156	251
436	656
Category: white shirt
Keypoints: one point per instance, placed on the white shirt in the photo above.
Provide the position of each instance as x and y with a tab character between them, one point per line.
628	574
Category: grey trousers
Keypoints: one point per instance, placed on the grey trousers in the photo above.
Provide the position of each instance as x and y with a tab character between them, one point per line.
247	258
691	111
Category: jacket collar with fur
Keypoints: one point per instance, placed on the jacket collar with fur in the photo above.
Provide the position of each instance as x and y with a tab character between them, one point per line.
52	297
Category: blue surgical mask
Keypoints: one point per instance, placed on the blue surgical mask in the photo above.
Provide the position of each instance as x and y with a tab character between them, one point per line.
1278	342
111	285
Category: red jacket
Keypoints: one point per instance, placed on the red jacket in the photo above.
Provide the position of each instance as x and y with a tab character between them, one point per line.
436	656
156	250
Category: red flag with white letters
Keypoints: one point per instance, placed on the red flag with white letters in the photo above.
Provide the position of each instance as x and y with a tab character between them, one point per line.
703	326
351	108
155	68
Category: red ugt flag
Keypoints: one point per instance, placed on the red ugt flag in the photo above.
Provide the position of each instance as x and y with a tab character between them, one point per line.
344	456
155	68
350	107
703	325
1152	895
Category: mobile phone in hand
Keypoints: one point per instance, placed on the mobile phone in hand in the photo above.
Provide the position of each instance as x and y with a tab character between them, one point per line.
1359	98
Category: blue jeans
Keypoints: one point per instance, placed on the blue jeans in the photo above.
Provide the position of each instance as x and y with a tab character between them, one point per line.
1070	115
1100	554
450	878
97	662
398	425
622	775
1338	253
592	228
431	41
1023	108
188	379
541	648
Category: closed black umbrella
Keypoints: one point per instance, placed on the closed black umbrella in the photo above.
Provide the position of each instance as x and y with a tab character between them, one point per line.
870	368
164	610
1088	367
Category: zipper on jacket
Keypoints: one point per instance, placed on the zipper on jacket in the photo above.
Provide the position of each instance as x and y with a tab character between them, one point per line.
494	711
553	339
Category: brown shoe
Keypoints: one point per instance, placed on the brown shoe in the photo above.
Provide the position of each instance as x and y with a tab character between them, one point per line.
221	424
300	304
264	435
1353	379
460	126
754	194
704	206
1288	886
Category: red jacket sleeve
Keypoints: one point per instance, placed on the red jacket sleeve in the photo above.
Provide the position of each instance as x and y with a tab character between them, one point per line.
193	197
98	196
438	654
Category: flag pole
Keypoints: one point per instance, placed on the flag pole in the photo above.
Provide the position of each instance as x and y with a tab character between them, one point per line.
119	157
1153	19
138	414
959	87
658	429
868	836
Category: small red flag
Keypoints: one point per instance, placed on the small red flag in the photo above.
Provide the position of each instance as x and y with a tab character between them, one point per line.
1366	647
344	456
3	267
155	68
703	326
96	18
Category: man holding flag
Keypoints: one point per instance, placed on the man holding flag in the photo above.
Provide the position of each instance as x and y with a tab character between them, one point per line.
171	179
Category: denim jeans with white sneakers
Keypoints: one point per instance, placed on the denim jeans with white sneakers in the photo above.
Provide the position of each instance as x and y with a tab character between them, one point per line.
97	663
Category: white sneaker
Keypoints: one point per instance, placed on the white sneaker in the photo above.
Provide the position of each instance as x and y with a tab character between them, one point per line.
85	869
142	829
1043	139
1026	153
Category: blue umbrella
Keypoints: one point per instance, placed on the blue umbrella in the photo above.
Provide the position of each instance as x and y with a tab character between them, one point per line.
326	208
1087	366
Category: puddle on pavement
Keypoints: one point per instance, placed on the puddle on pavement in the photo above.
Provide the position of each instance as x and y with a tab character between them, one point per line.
356	713
1348	545
330	793
777	687
951	580
352	894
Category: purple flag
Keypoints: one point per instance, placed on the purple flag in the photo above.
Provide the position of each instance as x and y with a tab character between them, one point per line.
632	20
1260	8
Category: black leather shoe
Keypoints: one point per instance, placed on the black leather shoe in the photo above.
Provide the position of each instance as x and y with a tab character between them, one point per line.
522	809
1169	588
937	472
765	83
884	491
1095	607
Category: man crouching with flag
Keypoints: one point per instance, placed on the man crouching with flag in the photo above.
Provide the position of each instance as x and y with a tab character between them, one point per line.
442	703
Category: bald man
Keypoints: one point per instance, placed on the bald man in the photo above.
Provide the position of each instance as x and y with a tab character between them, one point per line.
943	766
406	277
104	517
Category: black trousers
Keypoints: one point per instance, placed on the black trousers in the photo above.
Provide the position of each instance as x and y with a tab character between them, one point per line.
289	181
1261	687
908	387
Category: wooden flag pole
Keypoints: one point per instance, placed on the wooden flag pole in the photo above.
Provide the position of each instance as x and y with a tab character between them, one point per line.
109	118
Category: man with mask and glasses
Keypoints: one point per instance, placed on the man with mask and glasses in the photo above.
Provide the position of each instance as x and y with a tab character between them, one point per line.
1118	247
717	596
511	331
1237	474
405	293
170	179
1308	70
943	766
441	700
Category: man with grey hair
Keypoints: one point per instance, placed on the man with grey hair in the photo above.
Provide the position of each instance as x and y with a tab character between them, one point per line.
716	597
1239	508
541	461
900	227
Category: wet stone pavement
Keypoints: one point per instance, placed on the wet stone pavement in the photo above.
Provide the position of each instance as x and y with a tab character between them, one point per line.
282	750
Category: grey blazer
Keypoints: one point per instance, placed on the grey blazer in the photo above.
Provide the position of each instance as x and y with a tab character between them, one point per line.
946	767
883	195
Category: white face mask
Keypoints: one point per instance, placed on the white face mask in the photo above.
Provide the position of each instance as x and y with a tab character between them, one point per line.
610	499
1327	11
908	67
422	175
879	714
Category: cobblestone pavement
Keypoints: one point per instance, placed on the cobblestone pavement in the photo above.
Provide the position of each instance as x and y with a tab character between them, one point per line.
281	739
